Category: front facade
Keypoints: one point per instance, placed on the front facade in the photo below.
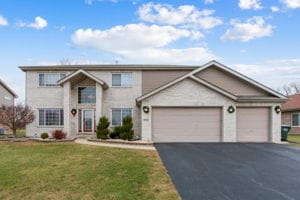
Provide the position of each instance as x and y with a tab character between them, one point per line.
210	103
7	98
291	113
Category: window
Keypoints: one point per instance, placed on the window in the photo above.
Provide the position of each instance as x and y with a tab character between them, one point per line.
296	119
87	95
50	79
51	117
122	80
118	114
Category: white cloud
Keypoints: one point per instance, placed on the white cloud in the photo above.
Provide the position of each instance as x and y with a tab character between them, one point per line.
130	36
146	44
273	73
250	4
190	56
208	1
254	27
186	15
39	23
291	3
274	8
3	21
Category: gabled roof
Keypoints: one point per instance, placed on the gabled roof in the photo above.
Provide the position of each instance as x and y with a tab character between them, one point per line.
82	72
8	89
190	75
293	103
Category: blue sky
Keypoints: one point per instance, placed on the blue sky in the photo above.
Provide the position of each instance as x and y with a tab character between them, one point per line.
259	38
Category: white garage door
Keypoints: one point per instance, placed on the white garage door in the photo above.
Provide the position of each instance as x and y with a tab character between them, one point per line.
186	124
253	124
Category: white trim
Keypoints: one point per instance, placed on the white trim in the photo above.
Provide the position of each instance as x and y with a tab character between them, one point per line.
93	120
112	73
296	113
49	126
54	86
77	96
8	89
199	80
81	71
111	125
209	64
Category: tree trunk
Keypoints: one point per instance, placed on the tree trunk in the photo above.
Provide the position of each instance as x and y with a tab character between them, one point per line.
15	132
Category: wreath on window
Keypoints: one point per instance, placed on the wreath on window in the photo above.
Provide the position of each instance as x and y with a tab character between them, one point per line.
73	112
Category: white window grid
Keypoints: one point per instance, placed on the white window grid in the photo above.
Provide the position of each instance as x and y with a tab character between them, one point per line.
51	117
117	115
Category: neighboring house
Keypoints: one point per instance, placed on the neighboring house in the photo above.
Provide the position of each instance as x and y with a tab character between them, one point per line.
7	98
291	113
210	103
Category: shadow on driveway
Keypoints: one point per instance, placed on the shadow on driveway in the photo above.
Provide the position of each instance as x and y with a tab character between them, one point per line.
213	171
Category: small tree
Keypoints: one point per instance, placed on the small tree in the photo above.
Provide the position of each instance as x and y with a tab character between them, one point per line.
127	131
16	117
102	128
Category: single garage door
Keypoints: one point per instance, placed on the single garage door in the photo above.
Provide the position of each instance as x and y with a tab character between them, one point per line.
186	124
253	124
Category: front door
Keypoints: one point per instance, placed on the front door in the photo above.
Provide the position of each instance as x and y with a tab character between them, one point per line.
86	121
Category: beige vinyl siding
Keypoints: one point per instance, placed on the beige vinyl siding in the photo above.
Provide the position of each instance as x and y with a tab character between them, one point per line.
154	79
186	124
253	124
230	83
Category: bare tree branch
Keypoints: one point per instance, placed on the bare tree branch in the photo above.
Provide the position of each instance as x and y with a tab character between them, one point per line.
16	117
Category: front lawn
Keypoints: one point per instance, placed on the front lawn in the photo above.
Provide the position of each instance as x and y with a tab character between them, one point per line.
294	138
72	171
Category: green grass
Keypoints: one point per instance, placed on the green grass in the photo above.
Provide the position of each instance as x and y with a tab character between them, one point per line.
20	133
72	171
294	138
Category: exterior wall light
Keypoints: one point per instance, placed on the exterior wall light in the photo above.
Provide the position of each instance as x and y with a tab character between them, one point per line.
277	109
231	109
146	109
73	112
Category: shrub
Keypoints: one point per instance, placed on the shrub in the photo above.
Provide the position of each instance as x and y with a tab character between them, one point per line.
102	128
116	132
58	134
127	131
44	135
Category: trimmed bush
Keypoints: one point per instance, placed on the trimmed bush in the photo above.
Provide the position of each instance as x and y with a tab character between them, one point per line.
127	131
58	134
102	128
115	134
44	135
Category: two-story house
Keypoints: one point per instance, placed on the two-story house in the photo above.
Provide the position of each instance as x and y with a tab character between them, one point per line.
7	98
168	103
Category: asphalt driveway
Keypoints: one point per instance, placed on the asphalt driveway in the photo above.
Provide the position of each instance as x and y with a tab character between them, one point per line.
233	171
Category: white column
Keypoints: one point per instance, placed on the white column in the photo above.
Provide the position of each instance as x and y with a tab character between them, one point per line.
67	108
275	125
99	102
146	124
229	125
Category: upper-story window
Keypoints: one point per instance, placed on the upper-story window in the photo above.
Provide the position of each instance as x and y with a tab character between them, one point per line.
122	79
50	79
86	95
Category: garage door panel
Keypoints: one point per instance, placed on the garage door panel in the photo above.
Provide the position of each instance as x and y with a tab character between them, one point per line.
186	124
253	124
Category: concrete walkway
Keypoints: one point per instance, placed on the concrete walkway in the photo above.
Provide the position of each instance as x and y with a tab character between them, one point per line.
123	146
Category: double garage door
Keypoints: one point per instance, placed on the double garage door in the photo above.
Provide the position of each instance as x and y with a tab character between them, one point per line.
184	124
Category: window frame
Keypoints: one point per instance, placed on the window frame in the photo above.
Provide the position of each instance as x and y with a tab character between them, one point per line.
61	75
292	115
60	120
111	115
121	86
78	95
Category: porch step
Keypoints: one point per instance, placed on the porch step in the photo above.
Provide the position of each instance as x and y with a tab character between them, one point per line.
85	136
